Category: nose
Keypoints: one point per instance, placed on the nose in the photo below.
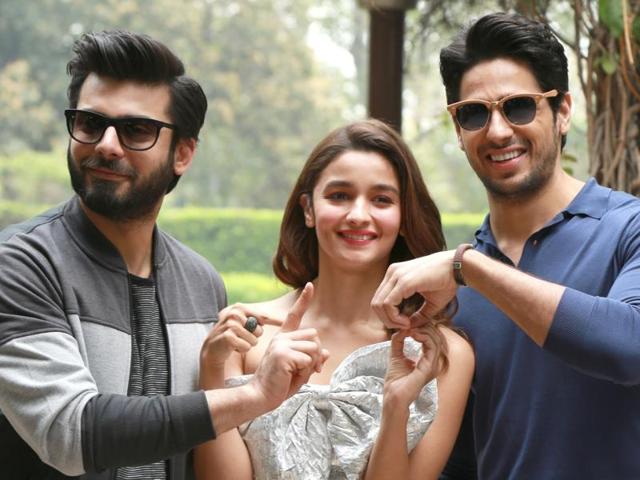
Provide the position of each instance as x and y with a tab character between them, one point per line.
109	145
358	212
498	129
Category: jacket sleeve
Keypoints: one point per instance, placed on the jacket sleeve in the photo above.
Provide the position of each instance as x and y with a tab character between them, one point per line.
119	430
48	395
44	384
43	390
600	335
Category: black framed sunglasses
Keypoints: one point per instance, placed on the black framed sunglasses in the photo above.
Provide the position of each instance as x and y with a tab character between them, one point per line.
134	133
518	109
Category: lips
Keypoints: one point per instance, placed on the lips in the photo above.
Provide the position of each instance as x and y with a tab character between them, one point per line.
357	236
505	156
107	174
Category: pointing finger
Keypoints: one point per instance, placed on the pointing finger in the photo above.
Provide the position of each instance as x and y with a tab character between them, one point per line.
294	317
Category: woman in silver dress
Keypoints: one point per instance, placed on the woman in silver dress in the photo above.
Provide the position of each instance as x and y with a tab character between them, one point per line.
384	403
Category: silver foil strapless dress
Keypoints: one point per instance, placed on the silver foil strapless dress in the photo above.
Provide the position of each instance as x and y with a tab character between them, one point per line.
328	431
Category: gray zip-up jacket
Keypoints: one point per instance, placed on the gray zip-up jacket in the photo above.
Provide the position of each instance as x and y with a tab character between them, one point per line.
65	352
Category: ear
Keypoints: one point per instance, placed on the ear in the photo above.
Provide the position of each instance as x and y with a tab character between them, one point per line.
307	208
183	155
563	117
458	133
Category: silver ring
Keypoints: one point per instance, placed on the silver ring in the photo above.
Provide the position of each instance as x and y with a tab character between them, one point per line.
251	324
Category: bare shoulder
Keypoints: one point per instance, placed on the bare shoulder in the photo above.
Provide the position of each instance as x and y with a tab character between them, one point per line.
460	351
277	307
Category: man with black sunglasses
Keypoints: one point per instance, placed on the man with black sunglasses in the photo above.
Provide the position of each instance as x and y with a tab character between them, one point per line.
102	315
550	291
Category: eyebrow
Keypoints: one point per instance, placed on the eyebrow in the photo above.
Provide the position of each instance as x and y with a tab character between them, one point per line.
384	187
117	117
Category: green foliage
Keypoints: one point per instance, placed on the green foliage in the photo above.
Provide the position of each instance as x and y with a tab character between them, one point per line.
236	240
244	240
240	240
26	119
460	227
248	287
608	61
567	160
14	212
270	100
39	178
610	14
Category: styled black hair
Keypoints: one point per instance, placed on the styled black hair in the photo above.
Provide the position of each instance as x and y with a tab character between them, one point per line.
507	35
122	55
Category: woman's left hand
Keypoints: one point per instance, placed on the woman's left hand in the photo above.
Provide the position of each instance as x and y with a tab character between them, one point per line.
406	377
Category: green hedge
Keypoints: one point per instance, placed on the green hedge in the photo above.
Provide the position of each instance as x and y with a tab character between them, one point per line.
251	287
14	212
244	240
237	240
460	227
234	240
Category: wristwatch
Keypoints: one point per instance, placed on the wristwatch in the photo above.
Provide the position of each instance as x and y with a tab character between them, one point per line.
457	263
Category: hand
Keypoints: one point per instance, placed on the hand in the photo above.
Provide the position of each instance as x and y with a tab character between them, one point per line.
291	357
430	276
228	335
406	377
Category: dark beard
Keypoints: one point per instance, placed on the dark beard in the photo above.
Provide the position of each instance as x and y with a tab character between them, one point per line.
531	185
100	196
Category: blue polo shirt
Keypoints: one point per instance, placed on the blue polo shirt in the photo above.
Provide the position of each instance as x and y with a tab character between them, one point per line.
569	410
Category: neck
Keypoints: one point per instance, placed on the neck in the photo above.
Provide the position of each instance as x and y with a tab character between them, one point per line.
344	298
513	221
133	239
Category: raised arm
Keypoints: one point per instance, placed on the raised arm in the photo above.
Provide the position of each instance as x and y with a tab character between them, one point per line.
220	358
292	356
390	457
554	316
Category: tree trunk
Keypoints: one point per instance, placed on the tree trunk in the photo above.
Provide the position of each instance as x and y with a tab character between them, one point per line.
611	84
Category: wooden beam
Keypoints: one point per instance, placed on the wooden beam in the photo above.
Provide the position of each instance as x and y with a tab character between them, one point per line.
386	58
386	55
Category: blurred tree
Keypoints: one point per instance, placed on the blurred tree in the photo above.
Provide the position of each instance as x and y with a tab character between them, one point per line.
27	120
608	48
270	98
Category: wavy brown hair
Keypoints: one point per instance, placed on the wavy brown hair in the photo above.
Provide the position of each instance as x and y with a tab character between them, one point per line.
296	259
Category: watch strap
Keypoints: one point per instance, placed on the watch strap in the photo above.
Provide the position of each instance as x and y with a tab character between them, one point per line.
457	263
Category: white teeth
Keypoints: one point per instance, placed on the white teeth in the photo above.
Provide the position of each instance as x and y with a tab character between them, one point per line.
505	156
356	237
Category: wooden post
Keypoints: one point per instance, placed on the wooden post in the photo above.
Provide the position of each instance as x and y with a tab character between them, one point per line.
386	56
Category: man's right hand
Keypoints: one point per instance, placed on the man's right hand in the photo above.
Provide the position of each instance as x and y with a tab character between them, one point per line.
291	358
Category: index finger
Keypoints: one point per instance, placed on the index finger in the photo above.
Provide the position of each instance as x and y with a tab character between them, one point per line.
294	317
397	343
264	320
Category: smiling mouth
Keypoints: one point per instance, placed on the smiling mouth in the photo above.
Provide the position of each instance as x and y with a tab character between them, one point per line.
357	236
103	172
505	156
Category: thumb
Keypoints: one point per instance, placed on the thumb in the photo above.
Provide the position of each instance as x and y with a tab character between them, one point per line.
424	370
429	309
294	317
397	343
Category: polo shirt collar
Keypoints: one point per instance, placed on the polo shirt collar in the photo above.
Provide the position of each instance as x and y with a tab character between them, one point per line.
591	200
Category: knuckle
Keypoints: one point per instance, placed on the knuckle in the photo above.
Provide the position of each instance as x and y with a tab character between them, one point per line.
228	335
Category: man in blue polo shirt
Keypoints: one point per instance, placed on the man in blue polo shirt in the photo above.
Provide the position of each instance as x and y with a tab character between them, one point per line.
553	299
